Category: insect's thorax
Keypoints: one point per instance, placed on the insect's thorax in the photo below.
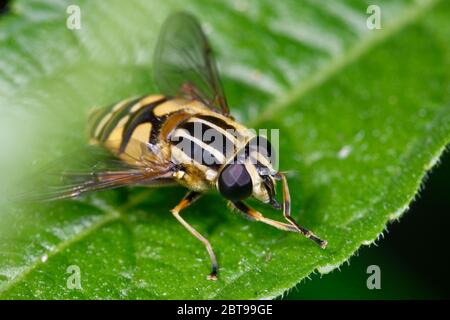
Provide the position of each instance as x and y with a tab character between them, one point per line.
186	132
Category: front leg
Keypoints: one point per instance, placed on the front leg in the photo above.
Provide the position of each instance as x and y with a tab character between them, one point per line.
252	214
256	215
187	200
287	214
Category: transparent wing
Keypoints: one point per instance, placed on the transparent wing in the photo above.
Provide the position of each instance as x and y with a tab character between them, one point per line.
184	64
93	169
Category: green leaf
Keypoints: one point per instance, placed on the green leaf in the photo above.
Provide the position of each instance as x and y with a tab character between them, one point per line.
363	115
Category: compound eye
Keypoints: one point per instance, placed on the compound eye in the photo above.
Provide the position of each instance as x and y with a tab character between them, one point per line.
235	182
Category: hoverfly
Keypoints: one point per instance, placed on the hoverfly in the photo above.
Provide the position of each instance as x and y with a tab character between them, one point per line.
146	136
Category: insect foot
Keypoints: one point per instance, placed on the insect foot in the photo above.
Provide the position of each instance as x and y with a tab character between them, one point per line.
212	276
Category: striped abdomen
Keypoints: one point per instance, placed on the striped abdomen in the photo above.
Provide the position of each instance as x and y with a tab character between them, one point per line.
186	131
132	119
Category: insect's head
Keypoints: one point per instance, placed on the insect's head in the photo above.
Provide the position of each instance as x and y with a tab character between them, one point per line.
250	174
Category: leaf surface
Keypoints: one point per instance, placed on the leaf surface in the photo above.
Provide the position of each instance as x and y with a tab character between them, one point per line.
363	114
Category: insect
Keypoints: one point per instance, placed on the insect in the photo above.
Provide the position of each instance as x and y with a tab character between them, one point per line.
155	138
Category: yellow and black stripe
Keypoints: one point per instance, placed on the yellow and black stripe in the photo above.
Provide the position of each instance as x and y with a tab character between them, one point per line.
131	118
170	123
208	141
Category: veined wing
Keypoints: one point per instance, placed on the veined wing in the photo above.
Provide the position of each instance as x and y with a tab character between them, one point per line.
184	64
94	169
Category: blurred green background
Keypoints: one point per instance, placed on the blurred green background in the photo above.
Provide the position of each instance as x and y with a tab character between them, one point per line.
405	274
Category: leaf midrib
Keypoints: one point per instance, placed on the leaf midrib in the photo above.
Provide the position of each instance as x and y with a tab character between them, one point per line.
337	64
340	62
347	58
107	218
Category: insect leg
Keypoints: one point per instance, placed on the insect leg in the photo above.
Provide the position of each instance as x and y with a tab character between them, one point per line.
187	200
287	214
257	216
